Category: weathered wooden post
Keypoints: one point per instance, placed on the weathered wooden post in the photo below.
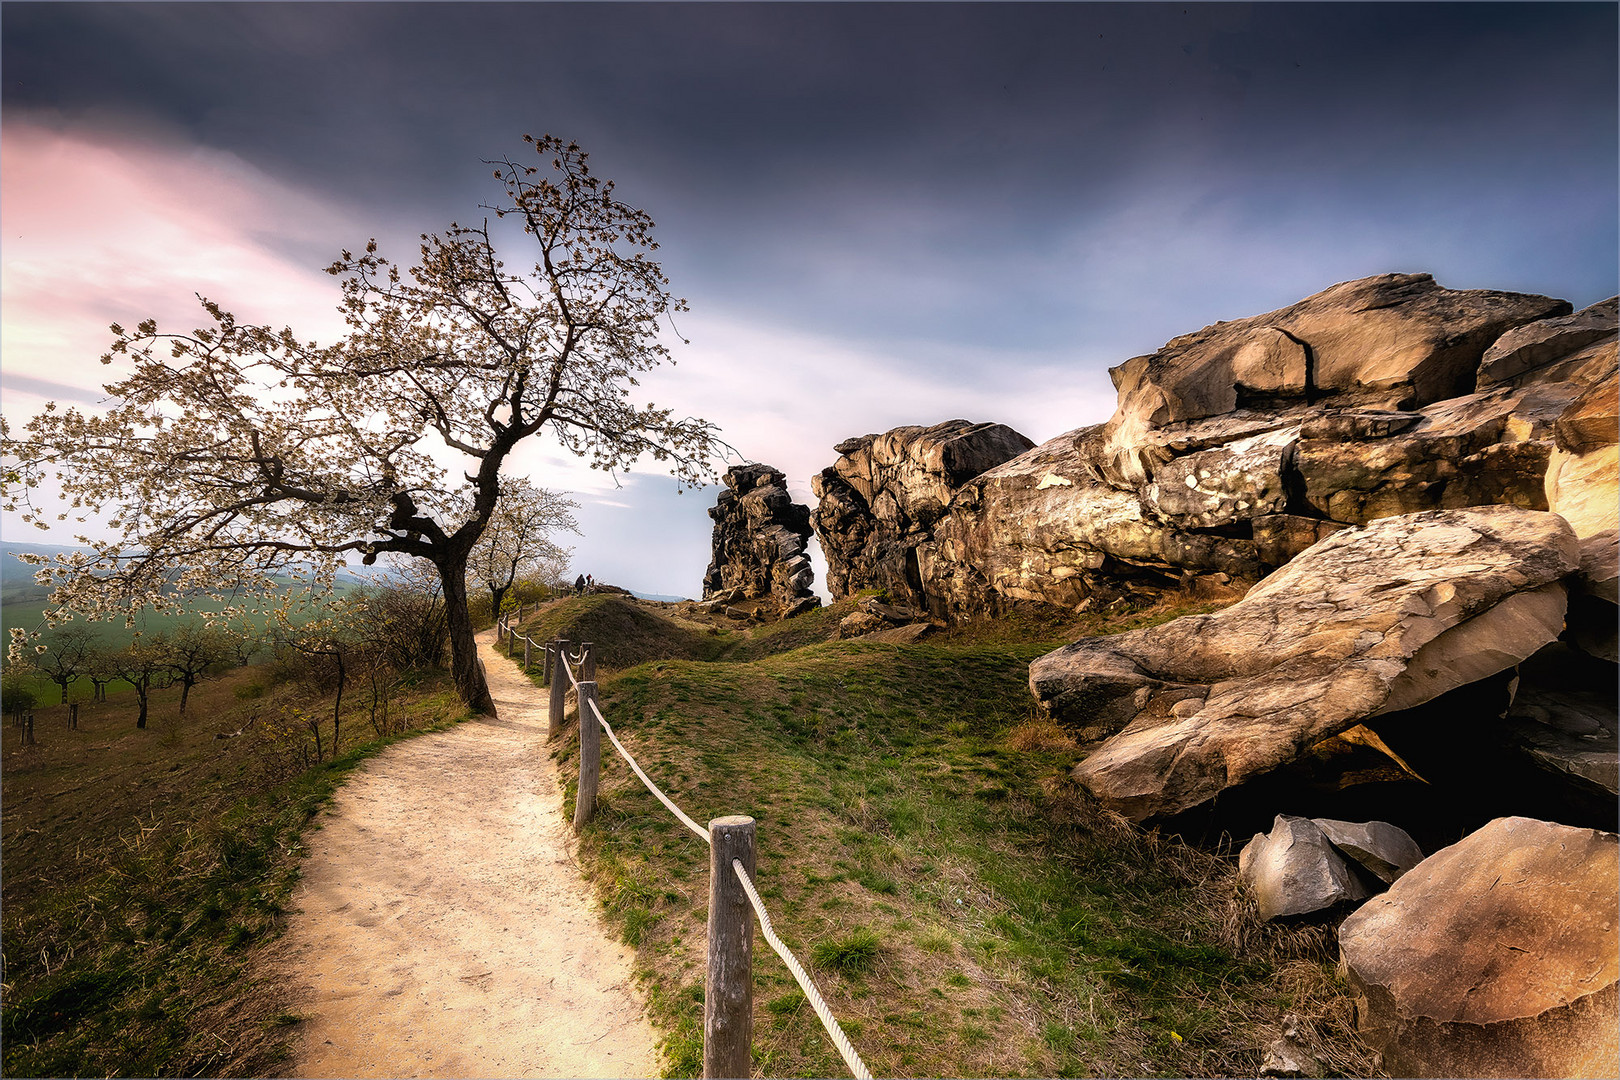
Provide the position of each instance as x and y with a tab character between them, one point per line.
587	663
526	643
73	716
559	687
590	756
728	997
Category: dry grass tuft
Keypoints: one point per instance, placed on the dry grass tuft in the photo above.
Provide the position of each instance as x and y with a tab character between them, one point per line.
1040	736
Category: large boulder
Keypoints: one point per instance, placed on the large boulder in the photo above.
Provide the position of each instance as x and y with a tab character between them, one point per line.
1373	620
883	495
1234	449
1497	956
1395	340
758	547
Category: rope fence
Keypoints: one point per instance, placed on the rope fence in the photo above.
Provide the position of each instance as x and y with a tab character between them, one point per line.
733	898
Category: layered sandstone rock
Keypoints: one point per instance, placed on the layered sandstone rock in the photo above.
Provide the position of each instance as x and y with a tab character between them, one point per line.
1392	341
1235	448
1497	956
759	542
884	494
1372	620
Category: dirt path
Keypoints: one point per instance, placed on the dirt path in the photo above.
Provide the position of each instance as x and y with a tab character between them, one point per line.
443	928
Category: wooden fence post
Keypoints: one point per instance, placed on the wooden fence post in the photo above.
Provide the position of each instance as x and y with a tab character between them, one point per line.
526	643
587	664
728	997
590	756
559	688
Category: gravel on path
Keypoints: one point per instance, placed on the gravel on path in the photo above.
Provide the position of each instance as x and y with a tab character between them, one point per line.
441	926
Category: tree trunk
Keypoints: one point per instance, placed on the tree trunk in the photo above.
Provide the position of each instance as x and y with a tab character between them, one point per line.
185	692
495	598
140	693
469	677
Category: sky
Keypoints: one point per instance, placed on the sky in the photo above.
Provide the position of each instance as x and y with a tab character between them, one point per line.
880	214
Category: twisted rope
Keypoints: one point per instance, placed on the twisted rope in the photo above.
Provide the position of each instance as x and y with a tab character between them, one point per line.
851	1058
857	1067
652	787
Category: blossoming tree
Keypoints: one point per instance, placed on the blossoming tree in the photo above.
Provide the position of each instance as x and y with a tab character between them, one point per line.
237	451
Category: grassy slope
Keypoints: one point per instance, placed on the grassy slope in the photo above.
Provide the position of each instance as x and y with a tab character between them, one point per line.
142	867
966	909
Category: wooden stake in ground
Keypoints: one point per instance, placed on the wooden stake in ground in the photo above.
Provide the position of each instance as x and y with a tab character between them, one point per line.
728	998
559	688
590	756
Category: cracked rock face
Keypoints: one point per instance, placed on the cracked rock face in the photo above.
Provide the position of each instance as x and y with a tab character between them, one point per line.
1497	956
1372	620
759	542
884	494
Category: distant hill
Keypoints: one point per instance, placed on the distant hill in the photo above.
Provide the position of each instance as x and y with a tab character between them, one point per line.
658	596
17	577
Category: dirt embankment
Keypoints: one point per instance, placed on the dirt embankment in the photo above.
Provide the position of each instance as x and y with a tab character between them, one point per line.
442	926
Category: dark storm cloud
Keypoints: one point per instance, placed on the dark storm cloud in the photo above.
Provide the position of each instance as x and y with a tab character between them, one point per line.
1027	176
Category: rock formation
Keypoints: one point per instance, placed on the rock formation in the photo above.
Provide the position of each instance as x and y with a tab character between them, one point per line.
759	542
1235	448
1372	620
882	496
1497	956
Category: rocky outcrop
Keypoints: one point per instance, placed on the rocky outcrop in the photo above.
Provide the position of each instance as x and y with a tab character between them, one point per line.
1235	448
759	542
1497	956
1392	341
884	494
1372	620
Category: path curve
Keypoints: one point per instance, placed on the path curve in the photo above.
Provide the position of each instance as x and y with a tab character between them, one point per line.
442	927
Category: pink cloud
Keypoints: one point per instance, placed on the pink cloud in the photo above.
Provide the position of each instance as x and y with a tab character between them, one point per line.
97	230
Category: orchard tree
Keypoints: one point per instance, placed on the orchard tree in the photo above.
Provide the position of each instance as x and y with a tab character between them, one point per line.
144	664
190	651
517	541
67	657
236	451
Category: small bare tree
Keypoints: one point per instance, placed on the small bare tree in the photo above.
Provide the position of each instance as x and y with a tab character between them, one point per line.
518	540
238	450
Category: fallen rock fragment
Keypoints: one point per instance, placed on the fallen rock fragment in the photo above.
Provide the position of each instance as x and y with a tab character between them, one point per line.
1378	847
1497	956
1372	620
1294	870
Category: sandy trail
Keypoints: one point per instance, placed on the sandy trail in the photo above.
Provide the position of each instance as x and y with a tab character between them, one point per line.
443	928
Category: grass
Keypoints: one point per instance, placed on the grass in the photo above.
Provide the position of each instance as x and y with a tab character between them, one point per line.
966	909
144	868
